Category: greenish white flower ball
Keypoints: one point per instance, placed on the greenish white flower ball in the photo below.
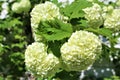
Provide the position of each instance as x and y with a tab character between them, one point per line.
49	66
22	6
81	51
39	62
44	11
16	8
25	5
93	15
107	10
34	55
113	20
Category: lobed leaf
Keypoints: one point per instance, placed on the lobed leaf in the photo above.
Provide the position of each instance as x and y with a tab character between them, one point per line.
75	9
102	31
54	30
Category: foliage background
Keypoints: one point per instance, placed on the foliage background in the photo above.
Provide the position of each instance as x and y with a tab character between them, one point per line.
16	34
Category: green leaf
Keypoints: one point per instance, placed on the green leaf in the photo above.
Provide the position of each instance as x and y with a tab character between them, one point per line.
9	23
19	45
55	1
1	37
83	23
105	32
75	9
1	78
16	58
102	31
54	30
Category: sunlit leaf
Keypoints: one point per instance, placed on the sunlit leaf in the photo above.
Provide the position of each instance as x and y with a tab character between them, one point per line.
55	30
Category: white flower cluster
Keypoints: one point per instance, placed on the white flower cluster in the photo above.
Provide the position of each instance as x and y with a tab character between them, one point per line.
81	50
42	12
94	15
39	62
113	20
108	16
4	12
22	6
107	10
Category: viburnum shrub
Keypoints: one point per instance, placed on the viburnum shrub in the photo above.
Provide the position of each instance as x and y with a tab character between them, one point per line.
68	38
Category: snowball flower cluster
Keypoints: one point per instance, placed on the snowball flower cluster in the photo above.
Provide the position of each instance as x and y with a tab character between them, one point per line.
113	20
81	50
93	15
44	11
39	62
22	6
107	10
